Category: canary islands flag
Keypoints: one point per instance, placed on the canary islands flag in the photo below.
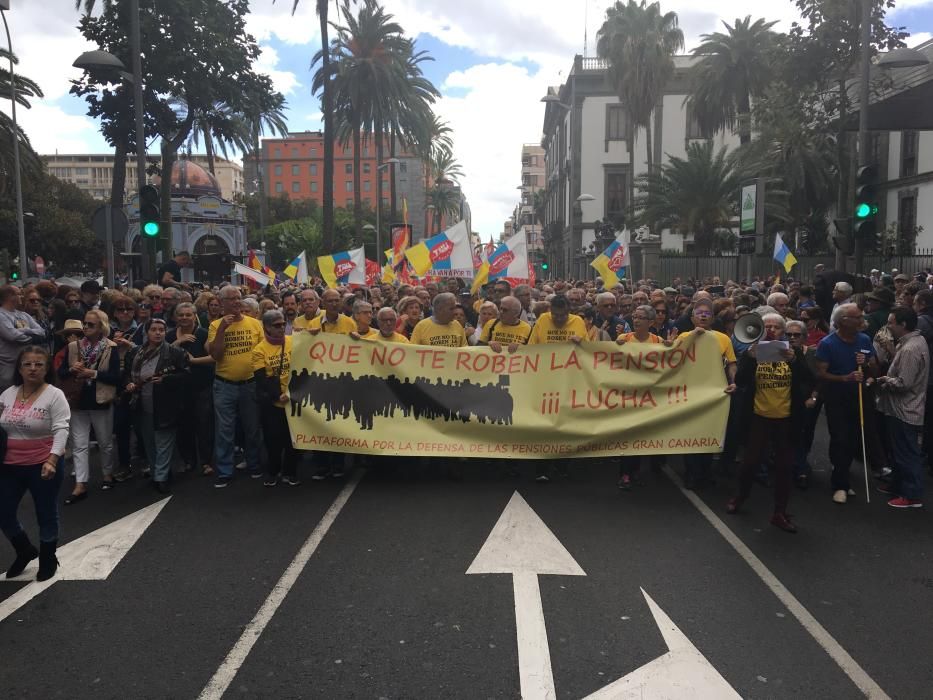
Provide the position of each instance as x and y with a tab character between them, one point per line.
297	269
346	268
782	254
613	262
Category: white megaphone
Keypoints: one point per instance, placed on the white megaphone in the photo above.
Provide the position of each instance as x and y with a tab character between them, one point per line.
749	328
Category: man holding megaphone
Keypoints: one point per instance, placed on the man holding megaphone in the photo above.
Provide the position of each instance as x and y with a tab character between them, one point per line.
777	392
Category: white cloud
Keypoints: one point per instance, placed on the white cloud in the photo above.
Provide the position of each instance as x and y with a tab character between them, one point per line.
489	131
283	81
918	38
50	129
269	20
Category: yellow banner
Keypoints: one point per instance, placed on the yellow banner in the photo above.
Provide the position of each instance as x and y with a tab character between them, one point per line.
542	402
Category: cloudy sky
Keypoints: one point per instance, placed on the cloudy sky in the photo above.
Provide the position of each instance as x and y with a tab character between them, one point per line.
494	61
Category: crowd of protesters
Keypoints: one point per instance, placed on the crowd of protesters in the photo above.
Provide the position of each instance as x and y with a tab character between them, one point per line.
174	376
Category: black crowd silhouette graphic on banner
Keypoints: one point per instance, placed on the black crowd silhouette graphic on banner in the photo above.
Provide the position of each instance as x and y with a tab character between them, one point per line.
369	396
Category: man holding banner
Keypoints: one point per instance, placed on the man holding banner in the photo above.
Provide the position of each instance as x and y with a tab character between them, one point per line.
440	329
557	325
508	329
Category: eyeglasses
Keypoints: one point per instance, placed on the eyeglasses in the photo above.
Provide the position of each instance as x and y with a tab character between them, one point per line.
702	314
32	365
794	335
144	306
88	324
124	308
74	301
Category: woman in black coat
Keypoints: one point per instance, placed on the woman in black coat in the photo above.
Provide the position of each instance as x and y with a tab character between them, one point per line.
154	377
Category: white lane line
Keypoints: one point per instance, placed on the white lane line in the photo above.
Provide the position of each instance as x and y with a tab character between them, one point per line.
849	666
224	676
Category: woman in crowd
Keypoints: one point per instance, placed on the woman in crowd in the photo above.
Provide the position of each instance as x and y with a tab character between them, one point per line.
817	328
410	313
662	325
487	312
125	332
271	362
90	375
154	377
34	414
152	293
208	306
196	429
796	332
775	399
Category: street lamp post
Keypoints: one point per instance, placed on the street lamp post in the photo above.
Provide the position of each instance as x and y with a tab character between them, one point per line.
17	178
430	209
379	168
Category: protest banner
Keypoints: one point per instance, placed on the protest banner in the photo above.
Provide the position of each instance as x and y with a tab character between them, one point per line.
542	402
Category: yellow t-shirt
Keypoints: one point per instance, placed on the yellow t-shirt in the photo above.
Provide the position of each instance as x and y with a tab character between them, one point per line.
239	340
505	334
270	358
301	323
545	331
630	338
772	390
429	332
371	334
725	343
394	338
343	325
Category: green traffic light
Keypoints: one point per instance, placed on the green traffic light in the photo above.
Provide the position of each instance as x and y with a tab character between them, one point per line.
863	209
14	275
151	228
544	266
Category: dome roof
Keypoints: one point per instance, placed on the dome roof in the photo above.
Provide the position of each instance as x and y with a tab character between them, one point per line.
191	180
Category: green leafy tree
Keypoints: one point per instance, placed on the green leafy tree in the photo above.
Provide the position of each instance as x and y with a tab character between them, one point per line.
734	66
25	90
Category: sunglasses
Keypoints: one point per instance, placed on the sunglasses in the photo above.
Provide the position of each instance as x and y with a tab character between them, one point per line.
74	301
145	306
124	308
88	324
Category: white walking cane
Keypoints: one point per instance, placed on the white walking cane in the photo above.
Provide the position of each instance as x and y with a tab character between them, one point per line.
861	425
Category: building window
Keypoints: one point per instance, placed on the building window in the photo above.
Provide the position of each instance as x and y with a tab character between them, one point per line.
616	123
349	185
295	153
367	186
909	141
314	187
403	167
366	168
296	170
616	194
278	152
348	168
312	169
694	130
296	187
349	204
314	153
278	170
278	187
907	217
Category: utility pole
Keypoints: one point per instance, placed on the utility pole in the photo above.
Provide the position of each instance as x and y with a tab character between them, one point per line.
864	96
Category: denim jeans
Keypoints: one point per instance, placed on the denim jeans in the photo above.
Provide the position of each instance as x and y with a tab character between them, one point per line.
15	480
159	445
230	402
908	458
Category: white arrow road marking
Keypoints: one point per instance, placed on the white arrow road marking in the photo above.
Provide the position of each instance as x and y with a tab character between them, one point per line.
683	672
89	558
522	545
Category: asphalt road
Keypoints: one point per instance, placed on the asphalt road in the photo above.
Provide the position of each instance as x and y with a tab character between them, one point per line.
384	608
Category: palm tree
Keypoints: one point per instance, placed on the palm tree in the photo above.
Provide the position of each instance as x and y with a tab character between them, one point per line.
693	195
327	108
734	67
24	89
639	43
446	202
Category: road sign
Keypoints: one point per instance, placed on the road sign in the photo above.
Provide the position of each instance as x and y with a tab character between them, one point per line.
89	558
749	206
521	544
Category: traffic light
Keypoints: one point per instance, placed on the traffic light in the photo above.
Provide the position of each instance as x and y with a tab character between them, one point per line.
149	211
865	226
545	265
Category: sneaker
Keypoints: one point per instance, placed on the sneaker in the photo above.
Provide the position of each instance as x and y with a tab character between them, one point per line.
901	502
625	482
123	475
542	478
255	475
240	466
320	475
840	496
292	481
885	488
850	493
337	474
221	482
147	472
270	481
